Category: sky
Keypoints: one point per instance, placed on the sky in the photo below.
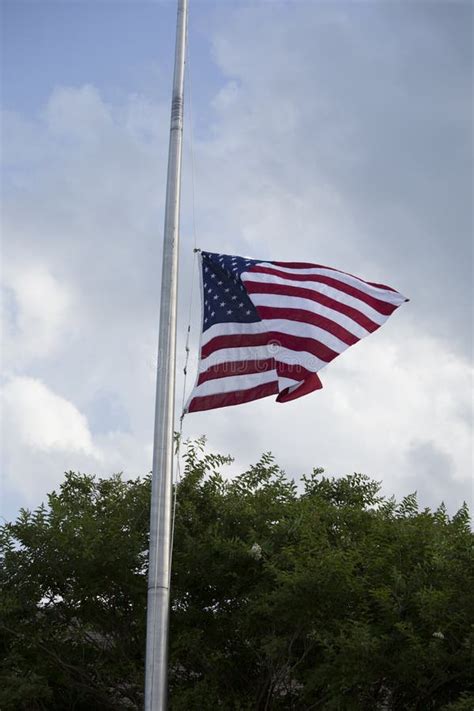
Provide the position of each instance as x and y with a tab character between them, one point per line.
338	133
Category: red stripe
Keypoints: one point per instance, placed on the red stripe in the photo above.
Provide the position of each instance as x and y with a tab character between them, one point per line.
300	343
274	338
239	367
311	383
383	307
301	265
209	402
248	367
303	316
284	290
235	340
306	265
293	371
380	286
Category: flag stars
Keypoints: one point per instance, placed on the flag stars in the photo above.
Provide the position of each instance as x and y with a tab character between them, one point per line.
224	295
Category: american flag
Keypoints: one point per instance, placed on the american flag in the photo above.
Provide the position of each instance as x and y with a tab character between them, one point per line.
269	327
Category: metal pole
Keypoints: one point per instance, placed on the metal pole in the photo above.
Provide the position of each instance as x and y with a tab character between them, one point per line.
156	664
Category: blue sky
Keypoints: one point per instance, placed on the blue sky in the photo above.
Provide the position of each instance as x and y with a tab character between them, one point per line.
338	133
121	47
113	45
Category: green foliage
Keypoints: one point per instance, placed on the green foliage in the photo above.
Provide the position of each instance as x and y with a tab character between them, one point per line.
71	609
464	703
325	596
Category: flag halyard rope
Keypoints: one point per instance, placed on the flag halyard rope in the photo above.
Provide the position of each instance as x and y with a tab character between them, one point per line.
196	250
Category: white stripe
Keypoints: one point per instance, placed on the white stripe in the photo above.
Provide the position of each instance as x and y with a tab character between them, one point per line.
319	288
284	355
305	330
231	355
296	302
292	328
287	383
303	358
231	329
234	383
391	297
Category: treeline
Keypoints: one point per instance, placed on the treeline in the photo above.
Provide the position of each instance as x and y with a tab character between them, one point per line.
326	596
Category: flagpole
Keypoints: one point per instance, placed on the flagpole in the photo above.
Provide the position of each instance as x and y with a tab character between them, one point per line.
158	601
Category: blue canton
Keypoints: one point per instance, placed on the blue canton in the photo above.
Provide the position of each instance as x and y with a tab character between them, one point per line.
224	297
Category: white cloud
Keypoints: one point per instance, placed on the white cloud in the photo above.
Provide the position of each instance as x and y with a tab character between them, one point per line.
42	420
37	313
44	435
78	113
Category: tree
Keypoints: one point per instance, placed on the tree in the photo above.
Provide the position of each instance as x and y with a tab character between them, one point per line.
72	603
329	597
